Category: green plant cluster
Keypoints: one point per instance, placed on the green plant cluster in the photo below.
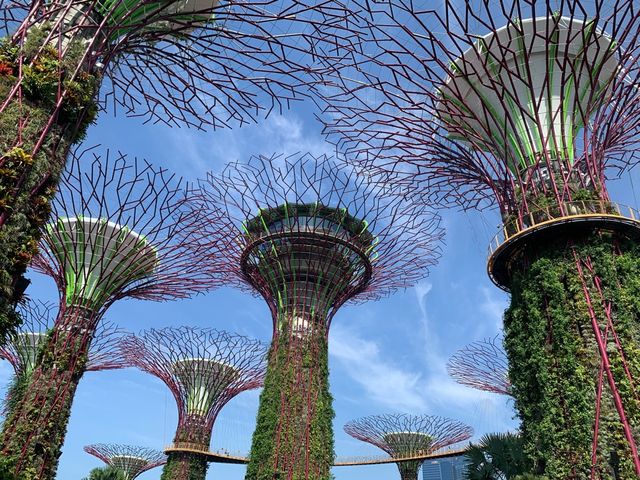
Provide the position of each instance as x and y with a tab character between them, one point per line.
185	466
297	371
26	441
28	182
554	360
107	473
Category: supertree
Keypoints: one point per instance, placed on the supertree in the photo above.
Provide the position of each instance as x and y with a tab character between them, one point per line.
197	63
407	436
119	232
310	236
23	347
482	365
204	368
130	459
525	106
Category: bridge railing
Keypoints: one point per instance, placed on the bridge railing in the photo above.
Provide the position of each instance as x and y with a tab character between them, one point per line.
566	210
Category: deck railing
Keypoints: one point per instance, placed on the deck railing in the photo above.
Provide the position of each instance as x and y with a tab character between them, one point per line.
551	214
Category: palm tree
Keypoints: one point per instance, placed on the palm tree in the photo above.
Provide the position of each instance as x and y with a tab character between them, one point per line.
498	456
106	473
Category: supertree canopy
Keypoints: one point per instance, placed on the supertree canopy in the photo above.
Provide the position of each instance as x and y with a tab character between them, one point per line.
120	232
308	237
131	460
483	365
198	63
204	369
408	436
525	106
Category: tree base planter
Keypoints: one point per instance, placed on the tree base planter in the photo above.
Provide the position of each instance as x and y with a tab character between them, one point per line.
573	342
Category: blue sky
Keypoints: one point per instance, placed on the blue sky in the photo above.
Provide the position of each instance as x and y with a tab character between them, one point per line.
385	356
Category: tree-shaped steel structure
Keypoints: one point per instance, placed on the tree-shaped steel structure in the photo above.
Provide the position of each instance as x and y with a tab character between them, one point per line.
204	63
482	365
525	106
24	347
308	237
204	369
132	460
119	232
407	436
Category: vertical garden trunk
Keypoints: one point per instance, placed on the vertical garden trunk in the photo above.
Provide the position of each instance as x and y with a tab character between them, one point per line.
294	435
573	342
409	470
33	433
187	465
35	137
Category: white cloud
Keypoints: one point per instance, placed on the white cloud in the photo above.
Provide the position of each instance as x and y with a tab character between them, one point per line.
384	382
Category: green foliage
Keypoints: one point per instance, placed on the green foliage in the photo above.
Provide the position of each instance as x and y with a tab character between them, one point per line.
295	397
106	473
554	360
34	430
29	181
185	466
498	456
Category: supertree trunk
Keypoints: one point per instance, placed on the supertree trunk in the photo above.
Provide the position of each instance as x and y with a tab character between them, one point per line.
409	470
189	465
294	434
573	346
94	262
47	400
41	116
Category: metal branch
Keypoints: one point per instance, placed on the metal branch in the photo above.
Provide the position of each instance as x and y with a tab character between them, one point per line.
202	64
203	368
131	460
493	103
402	434
391	239
23	347
482	365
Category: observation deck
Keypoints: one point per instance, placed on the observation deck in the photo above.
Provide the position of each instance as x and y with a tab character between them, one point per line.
222	456
579	218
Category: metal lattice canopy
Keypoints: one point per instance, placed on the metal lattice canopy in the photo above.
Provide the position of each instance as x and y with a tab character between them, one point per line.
401	435
500	102
202	63
23	346
482	365
131	460
309	236
119	231
204	368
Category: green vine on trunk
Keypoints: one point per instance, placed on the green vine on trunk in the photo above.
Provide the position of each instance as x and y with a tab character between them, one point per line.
554	359
29	181
277	437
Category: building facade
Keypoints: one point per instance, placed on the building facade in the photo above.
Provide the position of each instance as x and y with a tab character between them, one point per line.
444	469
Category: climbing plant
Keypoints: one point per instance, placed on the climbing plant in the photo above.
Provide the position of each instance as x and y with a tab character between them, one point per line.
554	362
28	180
294	358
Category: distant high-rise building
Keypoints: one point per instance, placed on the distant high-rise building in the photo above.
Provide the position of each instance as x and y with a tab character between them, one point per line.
444	469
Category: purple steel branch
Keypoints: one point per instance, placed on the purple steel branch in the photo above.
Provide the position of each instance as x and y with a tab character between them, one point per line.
39	319
131	459
217	65
395	108
407	234
182	358
482	365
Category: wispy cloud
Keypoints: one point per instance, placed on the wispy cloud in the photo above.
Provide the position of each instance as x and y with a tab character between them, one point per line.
384	383
197	153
